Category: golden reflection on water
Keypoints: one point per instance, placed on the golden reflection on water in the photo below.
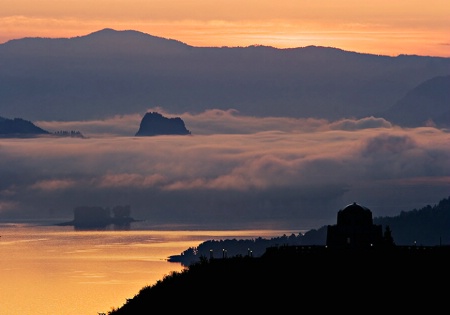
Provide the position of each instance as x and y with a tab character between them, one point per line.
56	270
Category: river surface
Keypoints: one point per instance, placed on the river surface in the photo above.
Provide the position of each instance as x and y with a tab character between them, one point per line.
56	270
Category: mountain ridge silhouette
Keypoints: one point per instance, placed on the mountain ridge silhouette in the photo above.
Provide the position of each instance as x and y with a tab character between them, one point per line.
111	72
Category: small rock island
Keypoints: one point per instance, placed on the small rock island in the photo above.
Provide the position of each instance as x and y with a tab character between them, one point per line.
154	124
99	218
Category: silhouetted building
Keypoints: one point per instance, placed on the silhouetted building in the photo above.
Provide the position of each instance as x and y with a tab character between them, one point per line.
354	229
91	217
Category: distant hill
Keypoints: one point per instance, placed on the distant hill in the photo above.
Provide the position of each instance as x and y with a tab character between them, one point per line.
19	127
112	72
426	104
154	124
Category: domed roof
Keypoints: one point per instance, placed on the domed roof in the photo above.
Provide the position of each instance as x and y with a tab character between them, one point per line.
354	207
355	214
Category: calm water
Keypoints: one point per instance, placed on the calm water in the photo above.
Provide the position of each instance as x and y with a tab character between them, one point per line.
51	270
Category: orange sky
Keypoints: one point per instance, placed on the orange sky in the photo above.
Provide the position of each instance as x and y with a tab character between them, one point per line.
379	27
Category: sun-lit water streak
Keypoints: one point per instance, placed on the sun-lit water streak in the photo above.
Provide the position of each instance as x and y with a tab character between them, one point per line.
56	270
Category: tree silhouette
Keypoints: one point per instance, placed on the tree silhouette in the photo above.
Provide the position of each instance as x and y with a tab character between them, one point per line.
387	237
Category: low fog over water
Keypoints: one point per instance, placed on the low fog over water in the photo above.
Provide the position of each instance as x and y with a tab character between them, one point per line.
232	171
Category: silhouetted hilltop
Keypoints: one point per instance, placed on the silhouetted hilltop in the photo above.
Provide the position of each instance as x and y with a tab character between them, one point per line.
154	124
19	127
141	43
105	41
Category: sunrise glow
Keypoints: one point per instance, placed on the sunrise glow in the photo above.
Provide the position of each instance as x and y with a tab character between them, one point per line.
382	27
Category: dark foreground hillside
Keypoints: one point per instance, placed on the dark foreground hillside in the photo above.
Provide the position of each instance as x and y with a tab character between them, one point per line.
290	277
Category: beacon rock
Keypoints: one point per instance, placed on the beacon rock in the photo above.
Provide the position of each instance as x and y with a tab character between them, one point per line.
154	124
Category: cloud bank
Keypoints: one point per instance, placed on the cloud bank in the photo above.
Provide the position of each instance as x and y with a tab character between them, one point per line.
233	171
